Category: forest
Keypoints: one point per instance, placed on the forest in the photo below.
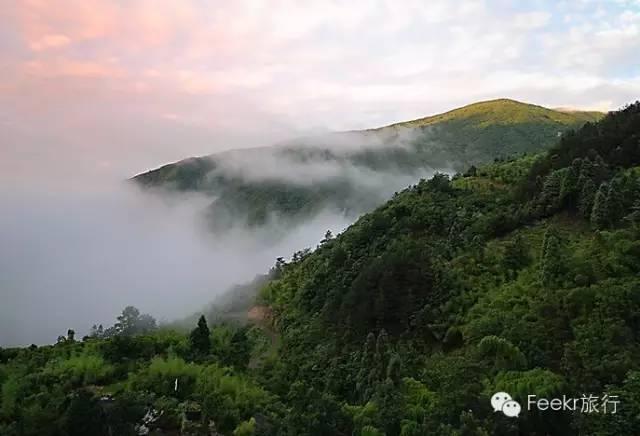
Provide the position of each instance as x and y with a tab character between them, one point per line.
520	275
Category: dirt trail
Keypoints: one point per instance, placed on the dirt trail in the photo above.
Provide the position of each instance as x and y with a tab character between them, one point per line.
262	316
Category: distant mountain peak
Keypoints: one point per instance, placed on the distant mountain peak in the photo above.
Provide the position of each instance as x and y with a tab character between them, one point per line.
503	111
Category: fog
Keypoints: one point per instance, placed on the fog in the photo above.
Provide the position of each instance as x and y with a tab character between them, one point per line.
263	165
75	250
361	163
72	258
318	159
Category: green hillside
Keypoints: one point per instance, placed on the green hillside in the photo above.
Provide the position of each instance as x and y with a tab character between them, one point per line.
479	132
402	152
519	276
503	111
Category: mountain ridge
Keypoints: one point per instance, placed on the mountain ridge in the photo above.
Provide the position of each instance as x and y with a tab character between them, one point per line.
354	171
488	106
590	116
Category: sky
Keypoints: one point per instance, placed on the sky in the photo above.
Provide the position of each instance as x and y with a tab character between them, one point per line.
96	90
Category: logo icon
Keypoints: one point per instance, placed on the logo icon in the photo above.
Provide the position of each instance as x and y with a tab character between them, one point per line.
502	402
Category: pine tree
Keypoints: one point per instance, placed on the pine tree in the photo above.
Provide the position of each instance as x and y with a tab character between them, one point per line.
587	196
200	337
586	173
545	242
569	189
600	169
551	262
394	369
455	237
364	382
381	357
614	202
634	216
369	349
599	214
382	346
551	190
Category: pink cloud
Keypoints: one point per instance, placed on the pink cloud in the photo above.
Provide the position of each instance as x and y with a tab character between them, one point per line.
50	41
76	19
45	24
71	68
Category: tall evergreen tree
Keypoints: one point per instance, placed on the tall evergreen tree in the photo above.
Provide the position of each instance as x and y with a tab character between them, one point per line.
394	370
200	337
600	169
586	172
551	262
587	196
382	348
599	213
569	191
551	190
364	382
634	216
615	202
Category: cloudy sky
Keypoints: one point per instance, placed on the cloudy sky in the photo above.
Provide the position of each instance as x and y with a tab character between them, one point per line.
94	89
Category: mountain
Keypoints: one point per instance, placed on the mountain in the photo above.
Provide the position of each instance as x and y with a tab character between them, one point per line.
504	111
352	172
522	277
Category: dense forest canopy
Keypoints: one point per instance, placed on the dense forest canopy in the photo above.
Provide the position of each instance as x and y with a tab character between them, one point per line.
520	276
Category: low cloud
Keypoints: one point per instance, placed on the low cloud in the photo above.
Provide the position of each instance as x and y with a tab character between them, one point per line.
70	260
313	160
